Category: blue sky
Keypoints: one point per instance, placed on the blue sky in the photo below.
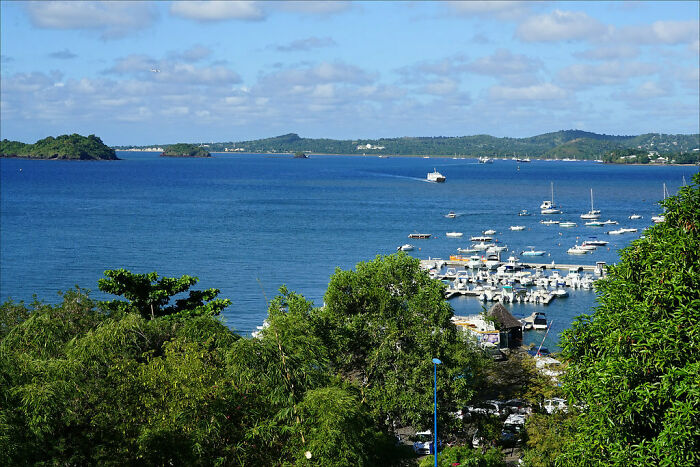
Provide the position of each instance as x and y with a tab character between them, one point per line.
232	71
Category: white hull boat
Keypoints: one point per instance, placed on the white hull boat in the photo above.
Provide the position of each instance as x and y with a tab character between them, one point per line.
436	177
454	234
406	247
517	227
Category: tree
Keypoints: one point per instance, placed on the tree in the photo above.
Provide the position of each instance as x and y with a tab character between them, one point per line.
149	294
634	364
382	324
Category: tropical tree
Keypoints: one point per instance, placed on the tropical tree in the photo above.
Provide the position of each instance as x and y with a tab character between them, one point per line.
149	294
634	365
382	324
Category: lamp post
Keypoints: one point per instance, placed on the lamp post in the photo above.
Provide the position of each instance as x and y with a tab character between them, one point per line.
436	362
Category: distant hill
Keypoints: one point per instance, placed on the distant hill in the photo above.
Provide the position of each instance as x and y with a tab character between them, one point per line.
75	147
561	144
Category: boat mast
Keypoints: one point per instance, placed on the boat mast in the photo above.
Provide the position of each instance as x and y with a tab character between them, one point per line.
591	200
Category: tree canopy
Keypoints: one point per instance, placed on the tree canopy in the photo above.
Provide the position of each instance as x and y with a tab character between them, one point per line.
62	147
634	369
185	150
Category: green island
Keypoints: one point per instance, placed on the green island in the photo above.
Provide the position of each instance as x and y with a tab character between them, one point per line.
565	144
148	379
68	147
184	150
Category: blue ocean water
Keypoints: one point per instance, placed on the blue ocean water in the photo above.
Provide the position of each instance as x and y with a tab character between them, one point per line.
247	224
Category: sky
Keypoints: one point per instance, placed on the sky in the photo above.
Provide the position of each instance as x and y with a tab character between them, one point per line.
141	73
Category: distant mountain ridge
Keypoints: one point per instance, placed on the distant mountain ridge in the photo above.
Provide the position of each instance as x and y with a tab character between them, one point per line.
576	144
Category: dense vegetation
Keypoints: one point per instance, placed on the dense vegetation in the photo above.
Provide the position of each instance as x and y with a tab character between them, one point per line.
641	156
634	368
148	378
185	150
557	145
62	147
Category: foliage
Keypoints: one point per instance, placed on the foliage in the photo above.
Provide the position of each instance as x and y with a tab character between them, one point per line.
465	456
546	436
634	363
185	150
148	294
62	147
382	324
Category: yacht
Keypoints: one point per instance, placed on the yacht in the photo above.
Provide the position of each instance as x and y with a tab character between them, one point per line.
595	241
635	216
489	232
532	252
406	247
436	177
593	213
576	250
485	160
481	238
451	215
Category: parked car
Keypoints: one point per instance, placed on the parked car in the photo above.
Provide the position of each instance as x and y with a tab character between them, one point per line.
485	408
517	406
510	434
424	443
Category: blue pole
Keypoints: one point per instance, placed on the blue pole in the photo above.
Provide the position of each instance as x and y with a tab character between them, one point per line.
436	362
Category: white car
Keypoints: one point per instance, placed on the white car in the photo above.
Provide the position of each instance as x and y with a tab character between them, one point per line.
557	403
424	443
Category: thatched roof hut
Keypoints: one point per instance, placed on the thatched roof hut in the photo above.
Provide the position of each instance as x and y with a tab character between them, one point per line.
504	320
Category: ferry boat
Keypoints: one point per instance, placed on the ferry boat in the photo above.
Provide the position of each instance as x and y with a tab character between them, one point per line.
436	177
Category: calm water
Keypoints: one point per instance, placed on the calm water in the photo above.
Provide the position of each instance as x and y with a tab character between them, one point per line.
247	224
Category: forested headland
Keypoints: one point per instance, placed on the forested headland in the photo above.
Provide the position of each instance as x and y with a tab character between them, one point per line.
74	147
185	150
155	377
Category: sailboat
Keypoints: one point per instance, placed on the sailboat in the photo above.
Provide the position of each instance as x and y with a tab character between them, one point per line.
593	213
548	206
661	218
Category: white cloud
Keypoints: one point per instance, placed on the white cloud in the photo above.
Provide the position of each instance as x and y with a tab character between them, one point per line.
560	25
650	89
194	54
609	52
503	62
496	8
606	73
537	92
306	44
319	74
420	72
675	32
216	10
442	87
323	8
113	19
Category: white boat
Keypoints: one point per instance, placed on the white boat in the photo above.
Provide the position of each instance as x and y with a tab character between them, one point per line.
524	213
594	224
593	213
596	242
467	250
616	232
489	232
436	177
549	222
560	292
635	216
481	238
482	246
496	249
658	219
588	246
406	247
576	250
610	222
629	230
567	224
548	206
419	235
485	160
492	261
474	262
451	215
533	252
454	234
517	227
538	320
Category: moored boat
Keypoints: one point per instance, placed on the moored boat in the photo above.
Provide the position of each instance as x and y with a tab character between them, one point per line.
419	235
406	247
517	227
454	234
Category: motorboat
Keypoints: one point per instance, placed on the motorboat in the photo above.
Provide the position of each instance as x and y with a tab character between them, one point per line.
576	250
538	320
419	235
616	232
588	246
533	252
492	261
594	224
481	238
406	247
482	246
454	234
489	232
658	219
474	262
524	213
496	249
485	160
610	222
593	213
560	292
436	177
467	250
595	241
635	216
549	222
517	227
567	224
451	215
629	230
548	206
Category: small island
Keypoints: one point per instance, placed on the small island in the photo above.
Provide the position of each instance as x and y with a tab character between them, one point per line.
184	150
300	155
64	147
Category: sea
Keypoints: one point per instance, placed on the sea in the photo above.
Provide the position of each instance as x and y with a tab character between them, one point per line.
250	223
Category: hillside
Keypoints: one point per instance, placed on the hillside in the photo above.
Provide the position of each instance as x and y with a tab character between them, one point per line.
74	147
561	144
185	150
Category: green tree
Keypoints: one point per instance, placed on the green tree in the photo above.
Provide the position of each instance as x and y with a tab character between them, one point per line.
149	294
383	323
634	364
465	456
